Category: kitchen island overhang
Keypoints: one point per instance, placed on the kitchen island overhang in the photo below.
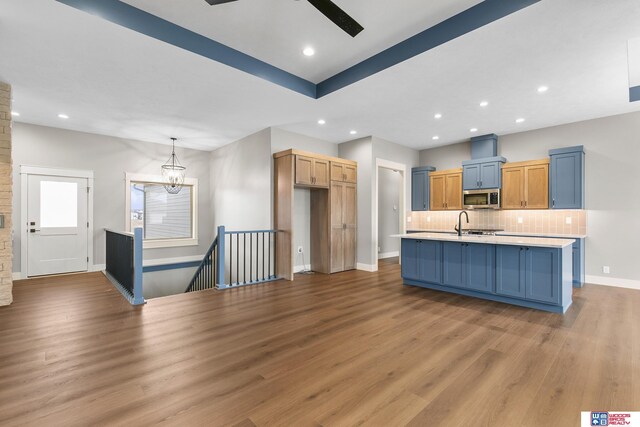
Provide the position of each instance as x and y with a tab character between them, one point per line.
529	272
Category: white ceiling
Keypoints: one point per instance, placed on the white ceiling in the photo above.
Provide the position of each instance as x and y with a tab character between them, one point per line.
113	81
276	31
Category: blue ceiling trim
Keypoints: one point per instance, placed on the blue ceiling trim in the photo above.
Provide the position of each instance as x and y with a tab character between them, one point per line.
471	19
143	22
634	94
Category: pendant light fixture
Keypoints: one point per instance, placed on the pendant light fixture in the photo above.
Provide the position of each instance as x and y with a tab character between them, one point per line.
173	172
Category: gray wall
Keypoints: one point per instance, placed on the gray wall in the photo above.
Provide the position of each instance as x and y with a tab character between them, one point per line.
109	158
389	183
612	146
447	157
241	183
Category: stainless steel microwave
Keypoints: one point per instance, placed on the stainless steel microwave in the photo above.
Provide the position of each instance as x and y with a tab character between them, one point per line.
481	199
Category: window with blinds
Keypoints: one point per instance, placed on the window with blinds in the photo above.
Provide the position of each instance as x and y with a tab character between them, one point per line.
162	215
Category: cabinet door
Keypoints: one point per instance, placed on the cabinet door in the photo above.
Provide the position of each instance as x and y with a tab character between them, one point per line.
490	175
536	187
350	174
453	265
578	262
543	274
419	186
512	188
480	263
350	218
337	172
337	226
429	261
436	192
320	173
453	191
409	265
471	177
510	269
566	181
304	170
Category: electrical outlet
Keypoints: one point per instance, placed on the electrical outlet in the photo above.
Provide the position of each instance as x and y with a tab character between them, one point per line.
606	270
520	220
408	219
300	249
379	249
428	219
567	220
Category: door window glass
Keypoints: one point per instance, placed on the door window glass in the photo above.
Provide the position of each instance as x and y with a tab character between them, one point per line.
58	204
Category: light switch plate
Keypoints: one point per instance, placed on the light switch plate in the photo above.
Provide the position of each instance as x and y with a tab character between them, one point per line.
408	219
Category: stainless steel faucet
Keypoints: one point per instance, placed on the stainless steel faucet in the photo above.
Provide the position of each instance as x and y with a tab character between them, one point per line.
459	228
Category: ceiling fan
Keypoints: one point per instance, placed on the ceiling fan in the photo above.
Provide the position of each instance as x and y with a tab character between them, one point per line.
328	9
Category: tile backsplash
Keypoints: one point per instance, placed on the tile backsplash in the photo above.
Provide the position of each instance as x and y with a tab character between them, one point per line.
525	221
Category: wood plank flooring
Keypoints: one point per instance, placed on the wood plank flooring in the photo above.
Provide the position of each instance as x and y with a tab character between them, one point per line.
354	348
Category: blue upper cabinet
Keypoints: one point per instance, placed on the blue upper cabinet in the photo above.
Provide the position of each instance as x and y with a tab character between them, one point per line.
566	189
482	173
420	188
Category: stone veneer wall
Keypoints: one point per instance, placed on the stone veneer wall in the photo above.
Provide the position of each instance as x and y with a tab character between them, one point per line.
6	253
525	221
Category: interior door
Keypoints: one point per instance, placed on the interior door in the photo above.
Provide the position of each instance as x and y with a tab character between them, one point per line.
57	225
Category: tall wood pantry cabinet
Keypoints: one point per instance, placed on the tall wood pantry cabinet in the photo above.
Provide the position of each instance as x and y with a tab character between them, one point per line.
332	183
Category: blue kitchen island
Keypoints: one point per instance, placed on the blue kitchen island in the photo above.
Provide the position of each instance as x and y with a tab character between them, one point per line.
529	272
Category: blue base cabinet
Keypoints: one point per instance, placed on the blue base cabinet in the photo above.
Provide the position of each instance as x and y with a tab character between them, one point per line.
578	263
421	260
468	265
534	277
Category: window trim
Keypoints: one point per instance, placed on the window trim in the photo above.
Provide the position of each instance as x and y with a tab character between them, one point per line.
157	179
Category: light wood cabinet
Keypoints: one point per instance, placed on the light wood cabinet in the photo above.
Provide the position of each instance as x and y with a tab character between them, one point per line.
343	226
525	185
445	190
332	183
343	172
312	172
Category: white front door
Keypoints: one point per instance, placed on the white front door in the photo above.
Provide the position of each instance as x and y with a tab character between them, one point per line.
57	227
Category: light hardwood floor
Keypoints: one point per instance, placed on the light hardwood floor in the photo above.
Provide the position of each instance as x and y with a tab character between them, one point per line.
354	348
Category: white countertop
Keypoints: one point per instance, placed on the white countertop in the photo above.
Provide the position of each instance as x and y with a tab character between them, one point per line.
492	240
510	233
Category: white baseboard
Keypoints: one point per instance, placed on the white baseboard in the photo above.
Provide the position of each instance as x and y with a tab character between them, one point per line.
383	255
16	276
612	281
98	267
367	267
299	268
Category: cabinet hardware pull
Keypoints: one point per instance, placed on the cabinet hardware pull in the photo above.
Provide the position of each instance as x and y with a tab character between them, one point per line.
480	183
554	203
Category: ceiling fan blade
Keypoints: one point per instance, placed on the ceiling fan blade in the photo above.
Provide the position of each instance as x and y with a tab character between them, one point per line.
337	16
215	2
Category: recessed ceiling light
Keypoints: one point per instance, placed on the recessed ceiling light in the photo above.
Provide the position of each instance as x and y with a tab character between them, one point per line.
353	132
435	138
63	116
484	103
437	116
520	120
473	130
308	51
15	114
543	89
321	122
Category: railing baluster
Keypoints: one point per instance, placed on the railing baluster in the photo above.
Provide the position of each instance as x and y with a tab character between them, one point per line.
269	259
